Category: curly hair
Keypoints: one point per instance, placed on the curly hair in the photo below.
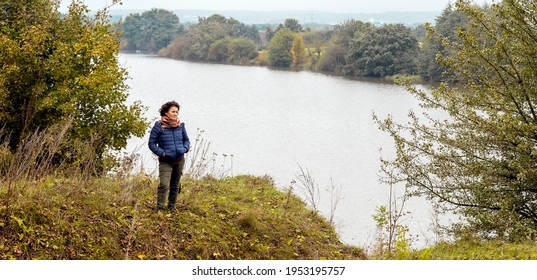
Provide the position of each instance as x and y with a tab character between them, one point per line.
166	107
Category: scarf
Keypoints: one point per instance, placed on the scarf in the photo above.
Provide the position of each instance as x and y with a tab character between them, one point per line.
168	122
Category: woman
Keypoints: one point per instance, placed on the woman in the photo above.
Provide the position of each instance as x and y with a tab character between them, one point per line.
169	141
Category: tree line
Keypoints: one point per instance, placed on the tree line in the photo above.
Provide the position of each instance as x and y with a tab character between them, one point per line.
352	48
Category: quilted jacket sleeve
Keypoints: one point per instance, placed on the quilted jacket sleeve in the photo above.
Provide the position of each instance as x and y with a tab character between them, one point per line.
153	140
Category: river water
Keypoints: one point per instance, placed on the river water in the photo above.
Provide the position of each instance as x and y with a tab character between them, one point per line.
274	122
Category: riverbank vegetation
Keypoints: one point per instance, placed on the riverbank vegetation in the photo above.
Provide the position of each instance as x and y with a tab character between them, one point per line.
352	48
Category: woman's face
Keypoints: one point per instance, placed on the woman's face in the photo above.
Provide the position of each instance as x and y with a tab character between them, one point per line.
173	112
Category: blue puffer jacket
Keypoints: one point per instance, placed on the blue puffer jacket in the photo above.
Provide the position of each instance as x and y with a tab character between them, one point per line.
169	144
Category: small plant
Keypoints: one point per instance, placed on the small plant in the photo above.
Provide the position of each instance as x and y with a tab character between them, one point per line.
289	192
204	163
335	192
392	240
311	191
309	187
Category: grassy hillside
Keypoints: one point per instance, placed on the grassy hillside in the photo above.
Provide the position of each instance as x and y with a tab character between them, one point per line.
236	218
240	218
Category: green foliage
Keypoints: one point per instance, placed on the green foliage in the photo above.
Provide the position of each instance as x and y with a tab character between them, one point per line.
353	48
279	49
333	58
150	31
261	58
315	43
286	48
289	23
446	25
361	49
298	52
215	38
292	24
481	158
384	51
235	28
58	68
392	240
232	50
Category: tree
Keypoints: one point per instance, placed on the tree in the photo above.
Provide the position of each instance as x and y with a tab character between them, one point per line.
63	67
289	23
132	29
333	58
292	24
201	37
482	158
233	27
279	48
446	25
384	51
315	41
150	31
298	52
198	40
269	33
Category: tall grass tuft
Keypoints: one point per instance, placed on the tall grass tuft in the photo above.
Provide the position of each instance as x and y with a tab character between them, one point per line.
309	187
42	155
203	162
33	159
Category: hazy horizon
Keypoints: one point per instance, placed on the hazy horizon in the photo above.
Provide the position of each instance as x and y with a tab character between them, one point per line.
333	6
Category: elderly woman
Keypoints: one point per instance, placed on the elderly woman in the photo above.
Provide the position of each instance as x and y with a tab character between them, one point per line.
169	141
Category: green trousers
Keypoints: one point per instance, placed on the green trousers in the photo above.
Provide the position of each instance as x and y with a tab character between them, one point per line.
170	183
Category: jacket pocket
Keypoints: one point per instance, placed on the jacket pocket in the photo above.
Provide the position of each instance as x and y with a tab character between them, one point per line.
169	154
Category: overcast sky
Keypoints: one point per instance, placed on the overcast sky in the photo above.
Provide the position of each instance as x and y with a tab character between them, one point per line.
338	6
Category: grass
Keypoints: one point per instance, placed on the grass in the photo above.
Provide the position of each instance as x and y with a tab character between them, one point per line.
239	218
113	218
477	250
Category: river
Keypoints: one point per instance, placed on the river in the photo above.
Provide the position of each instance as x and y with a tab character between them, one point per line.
274	121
